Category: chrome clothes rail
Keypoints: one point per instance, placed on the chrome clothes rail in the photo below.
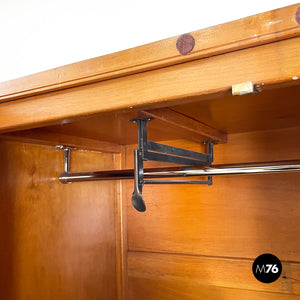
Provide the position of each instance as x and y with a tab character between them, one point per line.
236	169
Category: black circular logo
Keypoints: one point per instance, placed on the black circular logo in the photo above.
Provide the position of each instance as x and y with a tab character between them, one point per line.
267	268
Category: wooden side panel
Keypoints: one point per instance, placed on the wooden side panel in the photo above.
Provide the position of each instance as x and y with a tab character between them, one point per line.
199	242
56	241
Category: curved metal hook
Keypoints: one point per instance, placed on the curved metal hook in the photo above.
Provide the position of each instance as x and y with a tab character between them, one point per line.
137	198
138	201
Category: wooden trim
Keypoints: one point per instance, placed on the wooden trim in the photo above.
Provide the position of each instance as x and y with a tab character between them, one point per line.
121	229
252	31
276	63
44	137
154	289
184	122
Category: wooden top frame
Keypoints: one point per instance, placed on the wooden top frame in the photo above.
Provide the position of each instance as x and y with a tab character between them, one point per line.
263	48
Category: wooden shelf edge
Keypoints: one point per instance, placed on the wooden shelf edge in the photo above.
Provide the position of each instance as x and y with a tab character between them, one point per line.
44	137
252	31
184	83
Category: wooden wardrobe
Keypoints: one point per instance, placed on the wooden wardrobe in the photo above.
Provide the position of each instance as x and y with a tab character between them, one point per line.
238	83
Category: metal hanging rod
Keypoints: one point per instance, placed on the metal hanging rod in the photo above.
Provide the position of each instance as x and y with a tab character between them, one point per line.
234	169
173	172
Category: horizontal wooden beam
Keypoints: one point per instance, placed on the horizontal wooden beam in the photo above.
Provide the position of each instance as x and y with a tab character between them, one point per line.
44	137
270	64
182	121
256	30
203	271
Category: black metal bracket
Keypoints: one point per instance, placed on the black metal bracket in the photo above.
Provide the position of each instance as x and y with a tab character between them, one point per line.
152	151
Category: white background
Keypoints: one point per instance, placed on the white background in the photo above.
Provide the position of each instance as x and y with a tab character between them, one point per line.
37	35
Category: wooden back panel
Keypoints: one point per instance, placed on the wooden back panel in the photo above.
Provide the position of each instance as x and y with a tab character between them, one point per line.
199	242
56	241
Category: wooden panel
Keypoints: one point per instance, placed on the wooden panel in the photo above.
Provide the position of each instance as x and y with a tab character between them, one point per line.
271	109
117	128
7	238
231	114
56	241
209	271
169	290
248	32
44	137
193	81
260	146
121	230
238	216
104	131
190	125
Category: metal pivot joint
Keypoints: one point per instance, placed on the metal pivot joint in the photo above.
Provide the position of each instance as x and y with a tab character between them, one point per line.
152	151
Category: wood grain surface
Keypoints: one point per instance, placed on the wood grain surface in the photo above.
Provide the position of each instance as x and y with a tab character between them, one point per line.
267	65
103	132
271	109
116	128
41	136
238	216
56	241
121	229
85	241
256	30
140	288
209	271
191	239
190	125
195	121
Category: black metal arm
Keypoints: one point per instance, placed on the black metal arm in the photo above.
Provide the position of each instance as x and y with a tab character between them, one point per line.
152	151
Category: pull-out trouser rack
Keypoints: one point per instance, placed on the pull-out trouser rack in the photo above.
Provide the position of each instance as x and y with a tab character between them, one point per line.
195	164
152	151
